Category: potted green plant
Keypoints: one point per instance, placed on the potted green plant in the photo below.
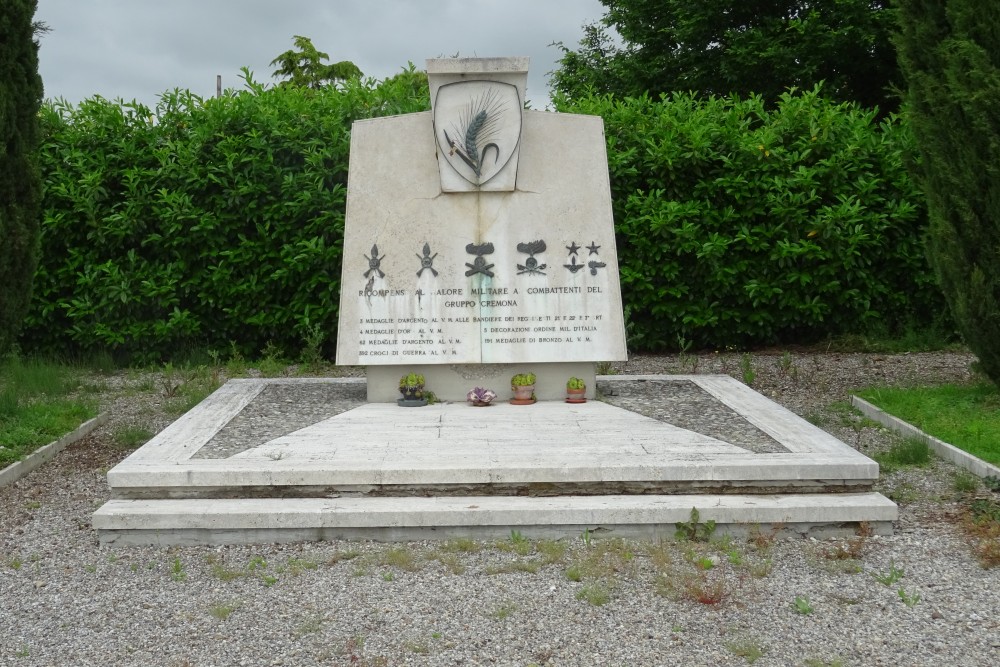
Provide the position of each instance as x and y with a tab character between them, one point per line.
411	386
523	386
576	390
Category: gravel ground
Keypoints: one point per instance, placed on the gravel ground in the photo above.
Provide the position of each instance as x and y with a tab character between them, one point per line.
66	600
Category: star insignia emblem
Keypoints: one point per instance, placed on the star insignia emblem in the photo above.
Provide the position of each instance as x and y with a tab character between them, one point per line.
593	247
573	248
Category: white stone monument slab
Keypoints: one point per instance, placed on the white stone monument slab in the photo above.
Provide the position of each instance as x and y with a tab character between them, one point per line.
479	276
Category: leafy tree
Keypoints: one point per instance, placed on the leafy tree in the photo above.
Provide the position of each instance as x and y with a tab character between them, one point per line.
949	52
305	67
20	184
726	47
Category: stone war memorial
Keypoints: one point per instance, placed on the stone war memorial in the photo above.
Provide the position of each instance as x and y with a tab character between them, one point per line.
479	245
478	238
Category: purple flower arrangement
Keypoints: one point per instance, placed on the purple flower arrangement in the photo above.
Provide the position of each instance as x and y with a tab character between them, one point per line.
480	396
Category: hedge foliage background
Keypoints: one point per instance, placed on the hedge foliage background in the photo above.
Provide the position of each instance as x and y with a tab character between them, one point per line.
204	223
739	226
208	223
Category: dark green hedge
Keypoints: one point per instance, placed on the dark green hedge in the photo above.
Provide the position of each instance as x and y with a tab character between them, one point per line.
206	223
220	222
739	226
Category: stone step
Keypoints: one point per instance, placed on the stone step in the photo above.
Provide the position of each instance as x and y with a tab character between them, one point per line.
258	520
552	475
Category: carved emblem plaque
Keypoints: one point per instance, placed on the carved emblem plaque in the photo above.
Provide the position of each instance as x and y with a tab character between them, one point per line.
477	127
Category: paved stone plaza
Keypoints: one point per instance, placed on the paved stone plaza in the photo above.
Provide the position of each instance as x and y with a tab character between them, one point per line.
259	461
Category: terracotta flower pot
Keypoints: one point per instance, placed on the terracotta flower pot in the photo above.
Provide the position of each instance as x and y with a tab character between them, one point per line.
576	395
523	394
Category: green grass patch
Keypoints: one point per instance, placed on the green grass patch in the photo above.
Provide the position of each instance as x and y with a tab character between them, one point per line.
131	437
966	416
36	406
878	340
907	453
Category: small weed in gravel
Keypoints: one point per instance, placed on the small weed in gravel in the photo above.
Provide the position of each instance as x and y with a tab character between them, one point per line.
909	599
761	569
982	524
518	543
699	586
177	572
503	612
223	573
400	557
461	545
785	365
605	368
761	539
596	593
747	370
338	556
418	647
851	549
661	554
700	561
449	561
308	626
602	561
222	611
816	418
706	589
749	649
839	557
965	482
903	493
889	578
693	529
130	437
801	605
354	649
296	566
552	551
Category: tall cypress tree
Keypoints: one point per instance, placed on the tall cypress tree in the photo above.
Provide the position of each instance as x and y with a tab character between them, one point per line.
949	53
20	184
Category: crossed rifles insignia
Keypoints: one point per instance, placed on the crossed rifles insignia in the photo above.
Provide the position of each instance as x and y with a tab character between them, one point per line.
479	264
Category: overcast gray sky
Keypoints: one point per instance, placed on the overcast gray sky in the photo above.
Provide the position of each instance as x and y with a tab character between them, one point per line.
137	49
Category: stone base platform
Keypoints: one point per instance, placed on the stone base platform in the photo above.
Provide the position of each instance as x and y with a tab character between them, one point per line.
258	520
267	460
